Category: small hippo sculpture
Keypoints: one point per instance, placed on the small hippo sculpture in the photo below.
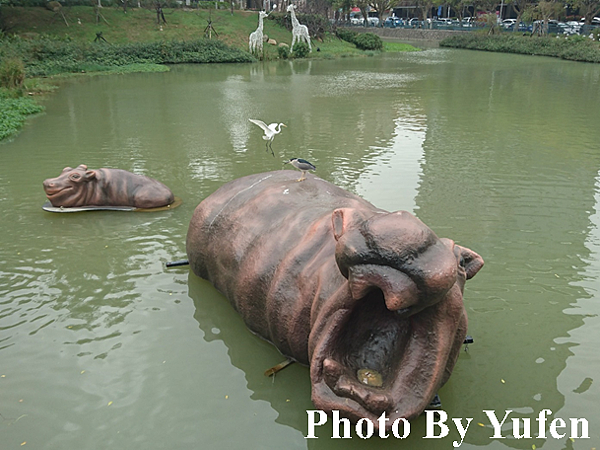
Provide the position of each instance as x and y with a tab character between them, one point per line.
370	300
105	187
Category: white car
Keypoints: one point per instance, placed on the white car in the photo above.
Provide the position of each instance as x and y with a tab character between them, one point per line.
595	20
508	23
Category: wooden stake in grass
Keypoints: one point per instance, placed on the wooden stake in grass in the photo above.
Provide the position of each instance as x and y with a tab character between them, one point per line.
98	15
209	30
160	14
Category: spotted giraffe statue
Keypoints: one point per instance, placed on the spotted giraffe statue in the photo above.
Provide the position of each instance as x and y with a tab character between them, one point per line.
299	32
256	37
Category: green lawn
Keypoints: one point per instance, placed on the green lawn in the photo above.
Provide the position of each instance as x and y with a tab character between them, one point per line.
140	25
61	43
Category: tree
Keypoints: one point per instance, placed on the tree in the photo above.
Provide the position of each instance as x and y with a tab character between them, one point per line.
488	6
318	7
588	9
424	7
363	5
381	6
345	6
160	15
520	7
2	24
544	11
459	7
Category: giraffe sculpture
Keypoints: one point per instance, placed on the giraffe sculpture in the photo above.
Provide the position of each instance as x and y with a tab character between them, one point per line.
256	37
299	32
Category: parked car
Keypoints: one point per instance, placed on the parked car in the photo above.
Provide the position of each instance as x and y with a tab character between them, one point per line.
553	26
511	27
355	20
468	22
444	22
574	26
508	23
414	22
393	22
373	21
595	20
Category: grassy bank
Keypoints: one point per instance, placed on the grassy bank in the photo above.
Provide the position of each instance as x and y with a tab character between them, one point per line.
47	56
574	48
140	25
85	40
137	25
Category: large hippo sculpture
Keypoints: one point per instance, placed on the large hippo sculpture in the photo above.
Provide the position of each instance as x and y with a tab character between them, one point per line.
370	300
105	187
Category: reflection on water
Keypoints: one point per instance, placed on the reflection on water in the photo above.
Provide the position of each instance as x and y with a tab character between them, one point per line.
100	343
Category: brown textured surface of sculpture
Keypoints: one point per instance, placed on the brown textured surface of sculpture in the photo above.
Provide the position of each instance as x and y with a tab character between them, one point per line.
370	300
105	187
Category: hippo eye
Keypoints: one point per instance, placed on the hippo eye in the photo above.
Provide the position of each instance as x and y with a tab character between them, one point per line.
459	257
74	176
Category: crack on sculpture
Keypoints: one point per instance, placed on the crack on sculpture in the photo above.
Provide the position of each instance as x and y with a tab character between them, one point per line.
299	31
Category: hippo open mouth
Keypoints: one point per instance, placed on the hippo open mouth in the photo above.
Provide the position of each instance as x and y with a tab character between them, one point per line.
372	341
376	360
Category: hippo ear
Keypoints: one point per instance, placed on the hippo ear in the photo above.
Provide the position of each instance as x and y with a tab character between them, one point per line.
90	175
471	261
67	169
82	167
344	218
340	220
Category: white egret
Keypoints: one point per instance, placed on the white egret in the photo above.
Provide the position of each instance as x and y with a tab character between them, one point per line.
270	131
301	164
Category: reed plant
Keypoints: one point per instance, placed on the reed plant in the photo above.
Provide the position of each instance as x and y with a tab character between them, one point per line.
575	48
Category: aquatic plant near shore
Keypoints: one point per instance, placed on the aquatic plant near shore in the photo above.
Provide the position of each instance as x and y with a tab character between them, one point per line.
14	113
48	56
575	49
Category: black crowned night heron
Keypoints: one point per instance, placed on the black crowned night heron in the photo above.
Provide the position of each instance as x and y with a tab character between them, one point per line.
301	164
270	131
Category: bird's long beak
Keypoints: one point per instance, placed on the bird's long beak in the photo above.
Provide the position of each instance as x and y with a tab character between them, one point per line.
284	125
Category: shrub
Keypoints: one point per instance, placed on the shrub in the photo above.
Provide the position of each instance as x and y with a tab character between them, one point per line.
363	41
12	73
49	56
283	51
575	49
300	50
346	35
368	41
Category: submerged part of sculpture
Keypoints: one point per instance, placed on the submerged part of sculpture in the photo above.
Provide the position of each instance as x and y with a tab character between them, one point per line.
105	187
370	300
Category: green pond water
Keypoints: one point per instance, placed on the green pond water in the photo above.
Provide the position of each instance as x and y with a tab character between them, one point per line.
102	347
